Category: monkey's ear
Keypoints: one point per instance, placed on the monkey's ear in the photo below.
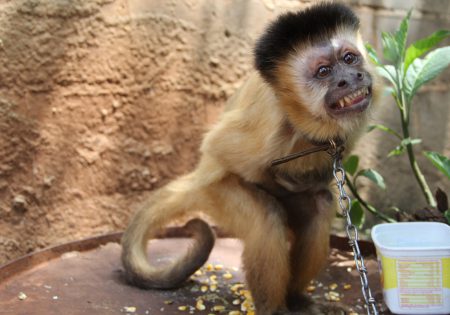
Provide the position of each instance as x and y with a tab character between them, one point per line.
307	27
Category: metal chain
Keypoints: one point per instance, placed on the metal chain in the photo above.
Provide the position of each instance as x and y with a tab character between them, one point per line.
352	232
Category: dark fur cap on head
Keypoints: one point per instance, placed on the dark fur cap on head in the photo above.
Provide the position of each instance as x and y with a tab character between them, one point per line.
309	25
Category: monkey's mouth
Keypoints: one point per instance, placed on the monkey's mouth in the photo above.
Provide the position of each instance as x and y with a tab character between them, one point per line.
356	101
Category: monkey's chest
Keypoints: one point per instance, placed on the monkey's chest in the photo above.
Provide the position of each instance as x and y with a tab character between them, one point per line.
282	184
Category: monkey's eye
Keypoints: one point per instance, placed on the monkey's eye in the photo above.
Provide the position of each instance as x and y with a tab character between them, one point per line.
350	58
323	72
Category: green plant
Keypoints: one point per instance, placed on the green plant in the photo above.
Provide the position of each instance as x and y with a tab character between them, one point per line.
407	73
351	166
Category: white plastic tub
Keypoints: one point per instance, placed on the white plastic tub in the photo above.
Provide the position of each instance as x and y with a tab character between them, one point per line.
414	261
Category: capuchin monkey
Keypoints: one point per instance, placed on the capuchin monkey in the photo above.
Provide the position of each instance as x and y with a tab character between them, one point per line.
312	84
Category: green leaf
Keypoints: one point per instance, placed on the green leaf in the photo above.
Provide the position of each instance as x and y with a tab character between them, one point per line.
407	141
351	164
389	73
441	162
423	45
385	129
357	214
401	148
402	34
374	176
373	54
447	216
391	50
424	70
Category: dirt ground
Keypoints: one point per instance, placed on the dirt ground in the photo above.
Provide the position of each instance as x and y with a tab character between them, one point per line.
92	282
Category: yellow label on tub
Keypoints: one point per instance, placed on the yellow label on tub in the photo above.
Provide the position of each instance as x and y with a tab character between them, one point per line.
446	272
389	266
423	272
419	281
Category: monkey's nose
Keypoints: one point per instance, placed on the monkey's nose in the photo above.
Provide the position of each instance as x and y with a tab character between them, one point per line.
360	75
342	83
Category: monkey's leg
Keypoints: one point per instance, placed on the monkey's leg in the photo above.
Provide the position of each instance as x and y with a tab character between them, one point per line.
163	206
259	221
309	217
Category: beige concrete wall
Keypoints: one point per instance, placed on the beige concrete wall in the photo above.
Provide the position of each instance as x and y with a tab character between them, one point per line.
102	101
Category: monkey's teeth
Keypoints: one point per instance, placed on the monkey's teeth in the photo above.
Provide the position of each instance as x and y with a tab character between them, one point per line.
349	99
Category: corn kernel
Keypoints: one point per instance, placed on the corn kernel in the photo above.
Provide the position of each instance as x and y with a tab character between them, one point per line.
347	286
227	276
218	308
247	305
310	288
200	306
333	286
218	267
236	286
213	287
246	294
204	288
129	309
182	308
22	296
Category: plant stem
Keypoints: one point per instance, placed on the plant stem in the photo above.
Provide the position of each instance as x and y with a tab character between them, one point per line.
368	207
415	167
405	109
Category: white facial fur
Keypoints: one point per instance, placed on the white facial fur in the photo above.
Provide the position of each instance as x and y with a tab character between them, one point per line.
310	92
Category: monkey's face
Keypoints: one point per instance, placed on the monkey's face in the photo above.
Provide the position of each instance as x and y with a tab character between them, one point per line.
332	79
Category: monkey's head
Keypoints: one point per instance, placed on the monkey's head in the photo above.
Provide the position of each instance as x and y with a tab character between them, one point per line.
316	62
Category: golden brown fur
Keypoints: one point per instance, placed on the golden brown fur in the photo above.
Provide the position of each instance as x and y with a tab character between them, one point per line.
290	206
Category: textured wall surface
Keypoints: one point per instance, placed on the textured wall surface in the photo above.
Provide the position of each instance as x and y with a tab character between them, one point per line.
102	101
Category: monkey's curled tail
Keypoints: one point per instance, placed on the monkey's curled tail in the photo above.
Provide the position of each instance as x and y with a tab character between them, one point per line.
143	227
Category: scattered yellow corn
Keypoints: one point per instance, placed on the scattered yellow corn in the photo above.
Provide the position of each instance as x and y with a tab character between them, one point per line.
332	296
182	308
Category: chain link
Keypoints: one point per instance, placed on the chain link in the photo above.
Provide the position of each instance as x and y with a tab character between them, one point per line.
352	232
